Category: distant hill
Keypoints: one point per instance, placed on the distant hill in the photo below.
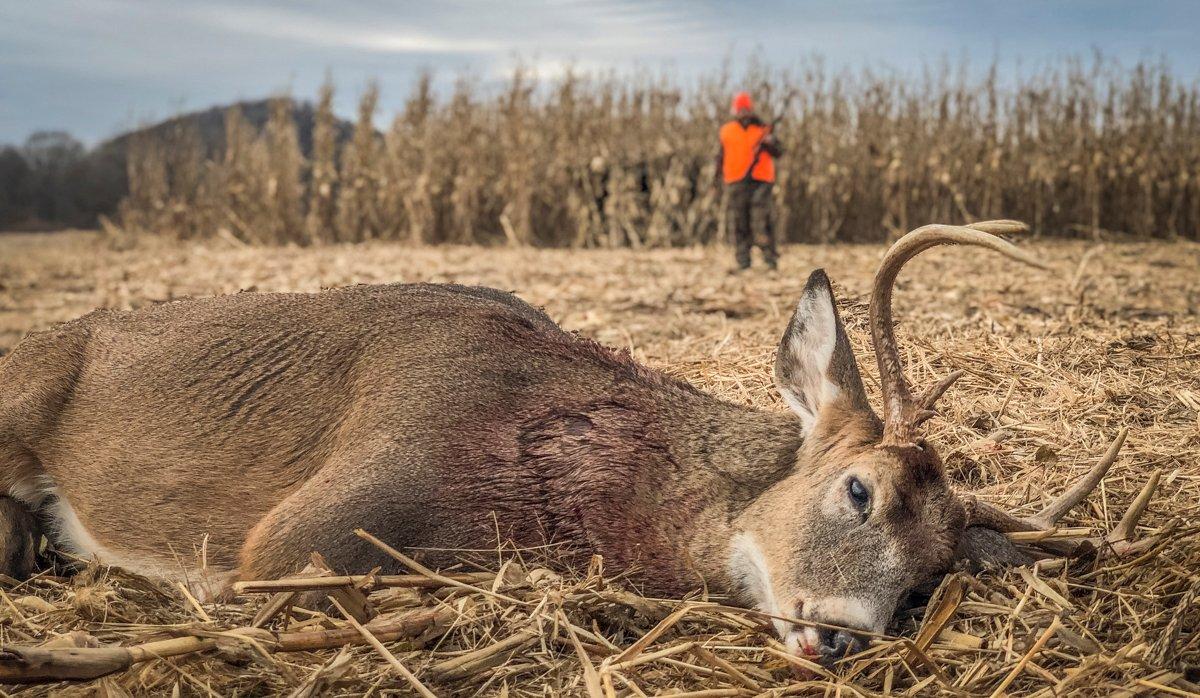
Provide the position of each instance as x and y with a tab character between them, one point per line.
62	185
210	124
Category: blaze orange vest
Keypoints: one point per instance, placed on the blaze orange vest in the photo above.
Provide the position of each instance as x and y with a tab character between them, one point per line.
738	145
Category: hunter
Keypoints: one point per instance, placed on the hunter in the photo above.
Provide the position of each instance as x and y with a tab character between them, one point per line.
746	165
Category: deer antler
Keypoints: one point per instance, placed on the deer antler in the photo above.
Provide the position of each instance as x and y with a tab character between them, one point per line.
902	414
983	514
988	516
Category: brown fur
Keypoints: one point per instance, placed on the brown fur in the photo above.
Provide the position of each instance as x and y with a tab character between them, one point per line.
254	419
442	417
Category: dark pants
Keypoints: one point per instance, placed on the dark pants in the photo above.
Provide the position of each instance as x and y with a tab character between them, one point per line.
750	211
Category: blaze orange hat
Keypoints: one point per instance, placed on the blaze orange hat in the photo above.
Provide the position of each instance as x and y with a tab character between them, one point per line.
741	102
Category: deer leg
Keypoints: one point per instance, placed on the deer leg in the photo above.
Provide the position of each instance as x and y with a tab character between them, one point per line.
346	494
19	533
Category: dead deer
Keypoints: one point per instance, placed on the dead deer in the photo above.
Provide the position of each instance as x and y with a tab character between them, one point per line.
442	417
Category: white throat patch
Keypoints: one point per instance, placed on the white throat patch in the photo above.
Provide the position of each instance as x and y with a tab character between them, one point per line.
748	567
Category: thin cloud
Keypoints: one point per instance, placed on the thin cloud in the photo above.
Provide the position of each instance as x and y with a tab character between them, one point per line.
281	24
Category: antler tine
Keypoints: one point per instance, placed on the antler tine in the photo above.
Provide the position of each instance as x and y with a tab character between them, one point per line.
901	413
925	403
1124	530
935	391
1082	487
1000	227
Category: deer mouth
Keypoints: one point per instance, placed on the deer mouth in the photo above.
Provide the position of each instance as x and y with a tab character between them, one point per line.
803	642
800	637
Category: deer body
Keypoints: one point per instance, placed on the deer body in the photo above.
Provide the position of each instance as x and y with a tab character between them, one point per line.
438	417
261	427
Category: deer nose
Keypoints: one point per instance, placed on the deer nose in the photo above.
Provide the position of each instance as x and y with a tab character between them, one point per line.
836	644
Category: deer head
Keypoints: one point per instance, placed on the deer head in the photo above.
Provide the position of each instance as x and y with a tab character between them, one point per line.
868	513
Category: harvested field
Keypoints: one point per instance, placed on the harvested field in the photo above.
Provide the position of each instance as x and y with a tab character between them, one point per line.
1057	364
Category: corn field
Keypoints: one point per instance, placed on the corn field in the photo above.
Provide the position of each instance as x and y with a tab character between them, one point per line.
1081	148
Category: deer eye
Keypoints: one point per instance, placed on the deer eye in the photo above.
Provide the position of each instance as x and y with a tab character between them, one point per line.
860	496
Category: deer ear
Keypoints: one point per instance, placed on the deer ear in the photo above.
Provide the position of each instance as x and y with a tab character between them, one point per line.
815	365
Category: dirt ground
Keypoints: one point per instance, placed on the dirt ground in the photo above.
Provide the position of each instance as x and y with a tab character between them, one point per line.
1057	362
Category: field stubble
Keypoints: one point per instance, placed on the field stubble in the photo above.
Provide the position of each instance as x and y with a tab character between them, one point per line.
1056	364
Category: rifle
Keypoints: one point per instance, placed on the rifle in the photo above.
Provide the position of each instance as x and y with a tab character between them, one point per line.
758	147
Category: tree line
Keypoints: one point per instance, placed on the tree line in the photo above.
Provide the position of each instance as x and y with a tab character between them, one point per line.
52	181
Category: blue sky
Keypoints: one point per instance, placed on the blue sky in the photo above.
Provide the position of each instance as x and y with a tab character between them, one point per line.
96	67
